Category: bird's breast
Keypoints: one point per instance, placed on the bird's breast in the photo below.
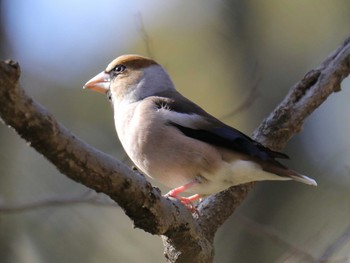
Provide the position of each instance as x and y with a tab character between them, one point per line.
160	150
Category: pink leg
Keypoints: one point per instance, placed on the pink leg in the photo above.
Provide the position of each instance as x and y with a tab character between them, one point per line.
190	199
187	201
176	191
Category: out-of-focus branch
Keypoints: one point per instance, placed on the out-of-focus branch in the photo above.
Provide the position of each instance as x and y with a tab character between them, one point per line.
88	198
145	36
268	232
253	95
336	246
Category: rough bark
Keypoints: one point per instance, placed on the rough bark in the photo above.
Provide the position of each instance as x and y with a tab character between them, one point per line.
187	238
282	123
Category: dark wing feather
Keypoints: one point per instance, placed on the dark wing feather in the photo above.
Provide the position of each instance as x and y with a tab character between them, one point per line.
230	138
216	133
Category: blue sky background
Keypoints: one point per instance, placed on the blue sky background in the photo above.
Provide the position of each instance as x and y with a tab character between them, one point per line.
69	32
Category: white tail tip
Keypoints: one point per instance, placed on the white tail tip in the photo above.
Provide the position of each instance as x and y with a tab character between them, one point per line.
304	179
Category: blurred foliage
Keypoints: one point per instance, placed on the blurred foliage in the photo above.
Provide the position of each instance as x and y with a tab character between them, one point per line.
216	53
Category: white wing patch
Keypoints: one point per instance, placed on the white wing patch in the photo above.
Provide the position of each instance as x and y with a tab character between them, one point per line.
192	120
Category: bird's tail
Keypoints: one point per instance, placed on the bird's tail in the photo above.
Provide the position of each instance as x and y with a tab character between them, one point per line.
279	169
303	179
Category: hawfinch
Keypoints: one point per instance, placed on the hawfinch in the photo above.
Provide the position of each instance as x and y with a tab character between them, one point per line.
176	142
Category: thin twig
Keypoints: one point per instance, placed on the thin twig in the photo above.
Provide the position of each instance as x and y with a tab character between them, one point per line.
145	36
253	95
337	245
272	234
90	198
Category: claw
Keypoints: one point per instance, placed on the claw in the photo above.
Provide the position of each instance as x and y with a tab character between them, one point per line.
187	201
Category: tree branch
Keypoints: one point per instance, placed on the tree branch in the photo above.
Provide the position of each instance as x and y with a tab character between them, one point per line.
79	161
304	97
186	237
285	121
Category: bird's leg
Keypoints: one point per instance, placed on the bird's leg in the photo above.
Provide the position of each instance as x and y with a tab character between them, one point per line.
187	201
190	199
176	191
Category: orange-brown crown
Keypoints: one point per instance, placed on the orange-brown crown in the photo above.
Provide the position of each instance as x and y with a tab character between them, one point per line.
131	62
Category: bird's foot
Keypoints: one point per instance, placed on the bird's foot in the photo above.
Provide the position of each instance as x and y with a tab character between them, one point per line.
186	201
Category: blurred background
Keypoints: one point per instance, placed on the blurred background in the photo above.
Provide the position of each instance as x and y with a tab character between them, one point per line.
237	59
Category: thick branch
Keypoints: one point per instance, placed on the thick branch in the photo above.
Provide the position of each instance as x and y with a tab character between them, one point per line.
276	130
143	203
306	96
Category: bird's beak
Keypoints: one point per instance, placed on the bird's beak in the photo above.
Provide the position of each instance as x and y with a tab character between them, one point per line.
99	83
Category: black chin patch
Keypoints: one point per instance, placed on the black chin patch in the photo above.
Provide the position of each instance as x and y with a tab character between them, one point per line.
109	95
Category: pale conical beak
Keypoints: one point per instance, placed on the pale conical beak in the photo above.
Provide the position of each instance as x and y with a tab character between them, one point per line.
99	83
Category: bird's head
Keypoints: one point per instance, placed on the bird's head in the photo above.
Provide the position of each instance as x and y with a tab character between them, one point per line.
131	78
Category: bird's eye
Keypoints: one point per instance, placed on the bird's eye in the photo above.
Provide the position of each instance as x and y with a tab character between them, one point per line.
119	69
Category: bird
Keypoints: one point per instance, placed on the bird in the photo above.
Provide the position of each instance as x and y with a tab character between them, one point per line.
176	142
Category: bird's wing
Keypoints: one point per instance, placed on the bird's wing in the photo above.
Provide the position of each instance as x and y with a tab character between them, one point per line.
194	122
